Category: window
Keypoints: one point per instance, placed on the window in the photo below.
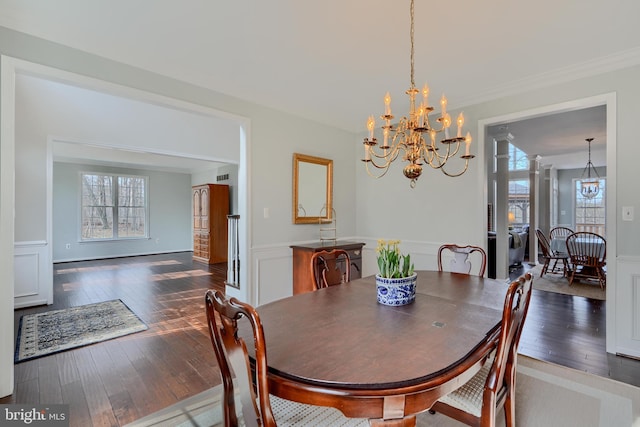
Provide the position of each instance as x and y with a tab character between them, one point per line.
110	200
590	213
518	202
518	160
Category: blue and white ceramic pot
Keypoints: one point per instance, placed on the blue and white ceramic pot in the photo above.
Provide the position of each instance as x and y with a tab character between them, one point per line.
399	291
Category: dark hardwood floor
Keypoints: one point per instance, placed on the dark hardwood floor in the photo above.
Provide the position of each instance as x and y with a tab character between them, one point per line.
115	382
571	331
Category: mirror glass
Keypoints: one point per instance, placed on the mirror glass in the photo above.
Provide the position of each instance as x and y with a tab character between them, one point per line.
312	189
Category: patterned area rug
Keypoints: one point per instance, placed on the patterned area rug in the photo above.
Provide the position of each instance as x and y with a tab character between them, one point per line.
51	332
556	282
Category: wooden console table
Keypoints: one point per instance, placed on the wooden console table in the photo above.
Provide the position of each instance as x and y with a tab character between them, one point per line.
302	280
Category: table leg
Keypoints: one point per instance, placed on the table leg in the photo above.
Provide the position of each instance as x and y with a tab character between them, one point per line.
408	421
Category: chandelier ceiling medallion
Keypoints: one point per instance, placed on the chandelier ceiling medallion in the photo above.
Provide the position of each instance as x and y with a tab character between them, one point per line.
415	135
589	187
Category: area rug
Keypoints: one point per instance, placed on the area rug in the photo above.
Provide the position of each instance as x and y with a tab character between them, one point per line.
546	395
54	331
555	282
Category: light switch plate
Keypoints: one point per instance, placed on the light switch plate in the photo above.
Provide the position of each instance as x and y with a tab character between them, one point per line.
627	213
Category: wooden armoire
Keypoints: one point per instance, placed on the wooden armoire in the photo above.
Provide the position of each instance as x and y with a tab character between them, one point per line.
210	210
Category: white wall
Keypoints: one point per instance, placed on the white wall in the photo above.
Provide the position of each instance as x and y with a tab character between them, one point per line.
169	215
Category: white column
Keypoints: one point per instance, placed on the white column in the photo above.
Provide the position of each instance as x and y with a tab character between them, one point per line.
502	205
535	206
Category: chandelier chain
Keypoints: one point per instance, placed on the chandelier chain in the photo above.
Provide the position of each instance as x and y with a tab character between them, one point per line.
411	35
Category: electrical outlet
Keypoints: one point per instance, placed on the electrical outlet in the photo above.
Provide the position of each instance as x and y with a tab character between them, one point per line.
627	213
67	246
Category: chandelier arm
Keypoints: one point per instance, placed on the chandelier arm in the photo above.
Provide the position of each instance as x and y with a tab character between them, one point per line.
384	172
466	165
390	157
441	160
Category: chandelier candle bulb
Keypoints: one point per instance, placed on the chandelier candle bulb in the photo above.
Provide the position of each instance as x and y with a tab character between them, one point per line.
467	143
387	104
425	95
460	123
447	123
371	124
443	105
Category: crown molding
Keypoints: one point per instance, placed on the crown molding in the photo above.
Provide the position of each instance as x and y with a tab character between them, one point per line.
601	65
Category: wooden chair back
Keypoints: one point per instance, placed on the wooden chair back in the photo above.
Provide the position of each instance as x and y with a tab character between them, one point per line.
460	262
494	386
545	246
516	306
588	256
588	249
559	232
329	268
231	352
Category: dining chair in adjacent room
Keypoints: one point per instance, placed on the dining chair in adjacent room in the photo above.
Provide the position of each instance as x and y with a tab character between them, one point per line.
559	232
255	406
477	401
329	268
550	255
460	262
588	255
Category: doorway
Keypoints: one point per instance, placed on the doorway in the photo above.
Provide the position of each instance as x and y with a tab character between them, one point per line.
12	67
609	101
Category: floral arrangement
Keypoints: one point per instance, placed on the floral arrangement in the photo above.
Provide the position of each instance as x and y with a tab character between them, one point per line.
391	263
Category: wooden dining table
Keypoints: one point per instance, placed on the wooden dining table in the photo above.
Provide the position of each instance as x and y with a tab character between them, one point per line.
339	347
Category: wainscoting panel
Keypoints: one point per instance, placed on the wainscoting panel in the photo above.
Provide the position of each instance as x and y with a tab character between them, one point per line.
33	274
273	273
627	290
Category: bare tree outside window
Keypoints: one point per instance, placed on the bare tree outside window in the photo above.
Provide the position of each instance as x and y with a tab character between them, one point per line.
110	200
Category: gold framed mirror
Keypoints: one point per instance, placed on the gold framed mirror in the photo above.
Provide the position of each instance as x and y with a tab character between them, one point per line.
312	189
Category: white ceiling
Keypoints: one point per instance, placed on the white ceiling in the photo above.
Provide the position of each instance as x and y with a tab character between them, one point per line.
333	60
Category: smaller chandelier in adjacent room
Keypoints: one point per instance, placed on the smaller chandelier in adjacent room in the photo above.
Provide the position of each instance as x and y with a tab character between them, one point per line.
415	135
589	187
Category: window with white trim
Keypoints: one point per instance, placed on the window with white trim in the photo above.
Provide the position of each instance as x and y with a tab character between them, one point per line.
590	214
113	207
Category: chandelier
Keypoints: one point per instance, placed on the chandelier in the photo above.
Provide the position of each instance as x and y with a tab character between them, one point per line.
589	187
415	135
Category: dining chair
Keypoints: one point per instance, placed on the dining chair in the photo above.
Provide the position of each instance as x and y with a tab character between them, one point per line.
460	262
588	254
477	401
329	268
550	255
559	232
256	406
